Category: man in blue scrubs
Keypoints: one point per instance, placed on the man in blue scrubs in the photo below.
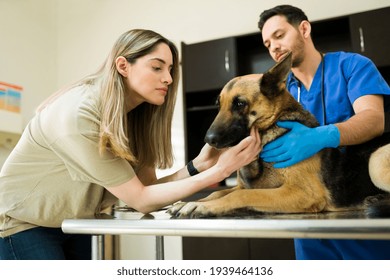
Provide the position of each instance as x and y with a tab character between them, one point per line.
347	95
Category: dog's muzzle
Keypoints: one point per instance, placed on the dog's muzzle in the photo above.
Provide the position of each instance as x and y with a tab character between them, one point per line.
224	138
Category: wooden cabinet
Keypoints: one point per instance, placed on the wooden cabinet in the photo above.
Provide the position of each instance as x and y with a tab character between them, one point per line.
370	35
332	35
207	66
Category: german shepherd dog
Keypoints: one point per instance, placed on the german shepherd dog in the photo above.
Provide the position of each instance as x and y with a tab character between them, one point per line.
352	178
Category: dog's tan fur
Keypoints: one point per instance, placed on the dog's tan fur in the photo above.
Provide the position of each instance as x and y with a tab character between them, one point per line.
261	100
379	167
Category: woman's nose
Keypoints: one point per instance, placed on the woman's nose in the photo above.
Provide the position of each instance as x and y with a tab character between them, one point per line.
167	79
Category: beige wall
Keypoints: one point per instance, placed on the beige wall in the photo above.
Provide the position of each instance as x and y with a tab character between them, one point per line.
45	44
28	49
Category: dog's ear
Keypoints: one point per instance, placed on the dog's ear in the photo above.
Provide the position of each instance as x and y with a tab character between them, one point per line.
273	81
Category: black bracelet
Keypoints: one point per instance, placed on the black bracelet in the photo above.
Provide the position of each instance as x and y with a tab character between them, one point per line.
191	169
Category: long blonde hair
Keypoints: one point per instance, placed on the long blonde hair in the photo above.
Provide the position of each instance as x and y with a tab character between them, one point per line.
142	136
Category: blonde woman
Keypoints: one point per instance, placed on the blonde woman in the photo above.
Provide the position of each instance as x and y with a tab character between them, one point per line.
98	141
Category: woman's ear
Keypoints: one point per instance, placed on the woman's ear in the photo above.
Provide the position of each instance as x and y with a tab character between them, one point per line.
122	66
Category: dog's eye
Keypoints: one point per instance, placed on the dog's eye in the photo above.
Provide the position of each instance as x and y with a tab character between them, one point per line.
239	104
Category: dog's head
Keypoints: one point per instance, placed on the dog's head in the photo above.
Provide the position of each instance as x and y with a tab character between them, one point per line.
246	101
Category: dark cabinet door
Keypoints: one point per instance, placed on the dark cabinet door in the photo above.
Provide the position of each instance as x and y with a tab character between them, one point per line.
370	35
209	65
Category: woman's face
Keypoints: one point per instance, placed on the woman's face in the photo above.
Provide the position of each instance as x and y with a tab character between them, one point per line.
149	77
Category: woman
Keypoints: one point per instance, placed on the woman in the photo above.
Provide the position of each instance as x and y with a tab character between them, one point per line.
98	141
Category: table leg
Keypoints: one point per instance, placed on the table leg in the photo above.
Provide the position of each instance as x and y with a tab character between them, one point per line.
159	247
97	247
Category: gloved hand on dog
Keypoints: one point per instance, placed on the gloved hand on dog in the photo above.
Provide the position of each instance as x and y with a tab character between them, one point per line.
299	143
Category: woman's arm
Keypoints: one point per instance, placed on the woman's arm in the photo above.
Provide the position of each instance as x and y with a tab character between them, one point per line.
207	157
136	194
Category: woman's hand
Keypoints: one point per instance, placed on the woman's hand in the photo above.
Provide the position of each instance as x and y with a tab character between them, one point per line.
230	159
240	155
207	158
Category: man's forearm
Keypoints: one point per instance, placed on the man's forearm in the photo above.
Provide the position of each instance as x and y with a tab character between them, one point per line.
361	127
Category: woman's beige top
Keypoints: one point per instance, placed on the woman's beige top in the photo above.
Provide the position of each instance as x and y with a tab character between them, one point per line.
55	171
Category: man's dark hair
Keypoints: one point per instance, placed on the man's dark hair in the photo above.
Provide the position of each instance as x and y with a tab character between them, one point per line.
293	15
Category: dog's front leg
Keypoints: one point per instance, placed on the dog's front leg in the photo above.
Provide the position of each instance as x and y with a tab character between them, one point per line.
307	197
219	194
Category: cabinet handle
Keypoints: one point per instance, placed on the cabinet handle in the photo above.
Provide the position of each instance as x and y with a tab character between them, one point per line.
361	35
227	61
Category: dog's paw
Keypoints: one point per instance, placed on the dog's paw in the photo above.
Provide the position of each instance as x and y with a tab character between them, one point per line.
376	199
175	208
190	210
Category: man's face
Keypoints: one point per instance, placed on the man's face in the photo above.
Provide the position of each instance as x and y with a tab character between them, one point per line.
280	37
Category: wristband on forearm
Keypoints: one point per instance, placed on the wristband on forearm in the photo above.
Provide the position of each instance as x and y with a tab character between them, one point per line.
191	169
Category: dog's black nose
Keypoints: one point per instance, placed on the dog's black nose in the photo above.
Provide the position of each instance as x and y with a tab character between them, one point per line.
211	138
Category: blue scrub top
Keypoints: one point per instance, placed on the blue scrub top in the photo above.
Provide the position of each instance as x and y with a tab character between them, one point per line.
347	76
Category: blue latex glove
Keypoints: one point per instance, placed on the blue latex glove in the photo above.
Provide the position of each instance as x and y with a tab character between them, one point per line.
300	143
